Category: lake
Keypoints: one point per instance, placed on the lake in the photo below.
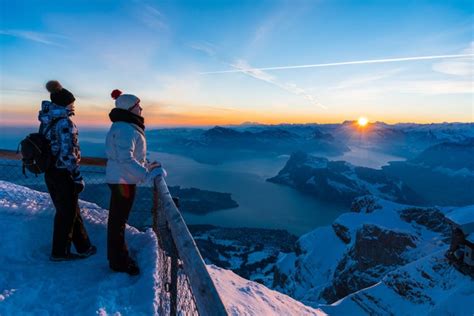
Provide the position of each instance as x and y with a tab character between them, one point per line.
261	204
365	157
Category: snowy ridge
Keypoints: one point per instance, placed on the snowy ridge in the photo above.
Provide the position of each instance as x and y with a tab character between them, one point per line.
243	297
429	286
30	283
382	258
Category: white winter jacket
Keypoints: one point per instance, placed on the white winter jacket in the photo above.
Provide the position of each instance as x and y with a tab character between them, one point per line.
126	154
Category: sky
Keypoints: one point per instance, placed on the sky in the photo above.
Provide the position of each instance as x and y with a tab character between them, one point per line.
228	62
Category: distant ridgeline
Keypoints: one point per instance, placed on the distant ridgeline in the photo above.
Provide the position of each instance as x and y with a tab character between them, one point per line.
220	144
441	175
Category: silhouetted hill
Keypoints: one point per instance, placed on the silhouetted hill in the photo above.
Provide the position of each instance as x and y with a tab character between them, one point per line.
450	155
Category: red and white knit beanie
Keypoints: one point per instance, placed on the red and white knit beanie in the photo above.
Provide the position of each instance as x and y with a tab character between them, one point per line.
124	101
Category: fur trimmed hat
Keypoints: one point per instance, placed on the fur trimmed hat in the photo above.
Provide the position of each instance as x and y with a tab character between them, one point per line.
124	101
58	94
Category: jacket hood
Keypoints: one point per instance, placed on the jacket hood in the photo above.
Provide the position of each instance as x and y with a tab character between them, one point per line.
50	111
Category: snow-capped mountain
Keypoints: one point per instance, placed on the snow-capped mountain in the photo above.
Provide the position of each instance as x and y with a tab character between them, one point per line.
380	258
428	286
31	284
341	181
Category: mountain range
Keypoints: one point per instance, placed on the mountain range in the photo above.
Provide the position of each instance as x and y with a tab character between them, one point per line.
223	143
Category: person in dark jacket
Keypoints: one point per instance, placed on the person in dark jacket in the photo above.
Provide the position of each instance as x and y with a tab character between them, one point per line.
63	178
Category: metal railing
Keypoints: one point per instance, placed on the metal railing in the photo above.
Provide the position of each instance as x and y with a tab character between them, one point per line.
189	284
185	284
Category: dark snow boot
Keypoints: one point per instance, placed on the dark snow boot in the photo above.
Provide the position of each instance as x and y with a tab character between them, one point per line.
89	252
131	267
68	257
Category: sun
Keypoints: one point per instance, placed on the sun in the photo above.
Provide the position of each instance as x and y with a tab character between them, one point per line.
362	121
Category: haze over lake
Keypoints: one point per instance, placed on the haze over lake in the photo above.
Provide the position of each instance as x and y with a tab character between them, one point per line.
261	204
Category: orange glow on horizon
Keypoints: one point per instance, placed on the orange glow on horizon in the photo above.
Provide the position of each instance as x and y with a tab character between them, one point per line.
195	116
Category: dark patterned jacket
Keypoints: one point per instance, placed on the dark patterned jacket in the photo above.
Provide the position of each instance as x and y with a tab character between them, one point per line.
63	137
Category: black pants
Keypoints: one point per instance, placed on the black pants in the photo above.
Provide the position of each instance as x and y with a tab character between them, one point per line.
121	202
68	224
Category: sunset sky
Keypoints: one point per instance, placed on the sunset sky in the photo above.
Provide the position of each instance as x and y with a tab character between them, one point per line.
166	53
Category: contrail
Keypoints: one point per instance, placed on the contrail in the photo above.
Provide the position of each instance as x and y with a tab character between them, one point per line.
356	62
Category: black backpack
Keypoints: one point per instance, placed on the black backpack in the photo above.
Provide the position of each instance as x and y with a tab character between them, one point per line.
36	152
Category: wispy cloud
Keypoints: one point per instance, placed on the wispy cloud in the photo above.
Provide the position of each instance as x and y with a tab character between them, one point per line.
269	25
39	37
205	47
365	79
458	67
374	93
266	27
243	67
151	16
435	87
356	62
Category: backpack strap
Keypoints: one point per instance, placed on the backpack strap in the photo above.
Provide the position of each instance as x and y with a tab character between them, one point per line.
23	169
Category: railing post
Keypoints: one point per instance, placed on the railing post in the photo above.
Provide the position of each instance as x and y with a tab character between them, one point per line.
174	283
203	289
168	248
174	271
158	217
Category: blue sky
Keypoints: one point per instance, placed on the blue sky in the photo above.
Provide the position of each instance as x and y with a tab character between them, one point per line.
159	51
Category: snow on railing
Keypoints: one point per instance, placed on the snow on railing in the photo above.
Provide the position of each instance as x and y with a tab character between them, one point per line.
186	286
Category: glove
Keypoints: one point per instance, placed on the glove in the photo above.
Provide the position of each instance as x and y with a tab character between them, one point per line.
155	172
152	165
79	184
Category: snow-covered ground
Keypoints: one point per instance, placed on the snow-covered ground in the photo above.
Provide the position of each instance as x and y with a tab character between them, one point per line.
428	286
31	284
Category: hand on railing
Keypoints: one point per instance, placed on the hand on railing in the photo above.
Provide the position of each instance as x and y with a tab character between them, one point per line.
152	165
155	169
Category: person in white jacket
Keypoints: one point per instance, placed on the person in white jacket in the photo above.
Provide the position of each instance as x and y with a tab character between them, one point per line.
126	167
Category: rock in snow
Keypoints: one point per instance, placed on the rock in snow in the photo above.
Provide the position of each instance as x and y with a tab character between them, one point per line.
30	283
